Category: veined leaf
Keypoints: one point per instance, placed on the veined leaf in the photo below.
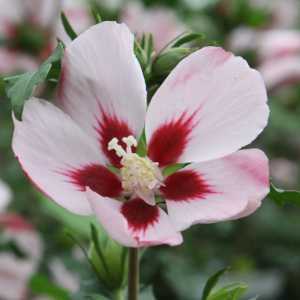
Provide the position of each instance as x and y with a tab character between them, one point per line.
19	88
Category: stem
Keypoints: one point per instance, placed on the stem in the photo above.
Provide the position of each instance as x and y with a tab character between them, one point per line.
133	274
118	295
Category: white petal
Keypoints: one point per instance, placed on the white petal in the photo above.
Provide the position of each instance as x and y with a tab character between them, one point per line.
211	105
48	143
118	226
230	188
102	86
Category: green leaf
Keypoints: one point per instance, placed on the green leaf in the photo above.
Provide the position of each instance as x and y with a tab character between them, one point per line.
41	285
68	27
20	88
109	259
2	88
211	283
169	170
282	197
230	292
96	243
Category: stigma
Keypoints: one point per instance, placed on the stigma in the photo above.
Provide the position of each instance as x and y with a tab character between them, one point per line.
139	175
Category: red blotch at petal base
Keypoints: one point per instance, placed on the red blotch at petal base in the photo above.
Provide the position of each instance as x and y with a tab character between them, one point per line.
169	141
185	185
108	128
139	214
98	178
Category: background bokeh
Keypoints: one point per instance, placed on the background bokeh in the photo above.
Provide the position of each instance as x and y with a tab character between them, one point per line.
263	249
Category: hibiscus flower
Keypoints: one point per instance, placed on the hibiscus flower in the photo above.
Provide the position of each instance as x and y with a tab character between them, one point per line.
26	33
15	271
82	153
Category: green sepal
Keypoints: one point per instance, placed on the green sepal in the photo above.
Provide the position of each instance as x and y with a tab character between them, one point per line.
169	170
167	61
144	51
142	145
185	38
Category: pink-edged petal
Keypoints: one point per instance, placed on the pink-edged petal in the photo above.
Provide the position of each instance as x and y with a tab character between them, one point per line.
134	223
59	157
102	86
274	44
218	190
211	105
281	71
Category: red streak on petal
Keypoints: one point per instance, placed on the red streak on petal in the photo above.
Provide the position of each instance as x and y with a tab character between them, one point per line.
139	214
185	185
110	127
169	140
98	178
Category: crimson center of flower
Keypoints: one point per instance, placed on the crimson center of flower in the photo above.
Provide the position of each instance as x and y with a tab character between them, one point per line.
140	176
